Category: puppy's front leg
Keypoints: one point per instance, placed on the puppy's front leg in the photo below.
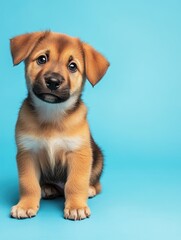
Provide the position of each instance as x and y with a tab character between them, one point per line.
76	188
30	191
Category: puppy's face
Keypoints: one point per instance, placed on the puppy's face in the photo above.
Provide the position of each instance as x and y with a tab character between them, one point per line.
55	68
57	65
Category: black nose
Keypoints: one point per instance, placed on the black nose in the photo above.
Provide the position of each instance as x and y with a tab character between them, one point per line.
53	80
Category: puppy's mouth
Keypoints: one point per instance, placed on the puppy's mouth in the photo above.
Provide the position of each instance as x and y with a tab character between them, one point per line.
52	98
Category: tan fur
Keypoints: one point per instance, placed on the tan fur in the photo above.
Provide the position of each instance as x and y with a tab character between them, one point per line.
53	137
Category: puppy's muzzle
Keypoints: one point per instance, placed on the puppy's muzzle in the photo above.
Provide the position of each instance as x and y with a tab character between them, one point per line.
51	88
53	81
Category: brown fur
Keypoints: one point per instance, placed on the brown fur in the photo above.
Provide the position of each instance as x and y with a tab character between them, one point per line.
53	139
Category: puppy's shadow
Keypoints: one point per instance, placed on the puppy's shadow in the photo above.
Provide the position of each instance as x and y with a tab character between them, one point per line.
56	204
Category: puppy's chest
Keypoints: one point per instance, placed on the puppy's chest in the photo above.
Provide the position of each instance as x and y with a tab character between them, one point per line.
51	146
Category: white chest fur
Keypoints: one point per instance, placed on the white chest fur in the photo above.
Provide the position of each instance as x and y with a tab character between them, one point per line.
50	145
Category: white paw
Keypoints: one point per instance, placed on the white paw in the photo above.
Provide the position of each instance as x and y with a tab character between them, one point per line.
77	214
91	192
19	212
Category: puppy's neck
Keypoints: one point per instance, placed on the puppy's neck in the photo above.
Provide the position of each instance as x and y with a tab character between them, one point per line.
53	113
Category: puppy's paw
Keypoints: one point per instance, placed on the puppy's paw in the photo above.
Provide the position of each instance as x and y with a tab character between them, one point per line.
91	192
19	211
77	214
49	192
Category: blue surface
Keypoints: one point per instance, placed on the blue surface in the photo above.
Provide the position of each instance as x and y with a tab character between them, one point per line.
134	113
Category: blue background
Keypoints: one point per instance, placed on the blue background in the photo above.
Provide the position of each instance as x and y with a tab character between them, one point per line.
134	114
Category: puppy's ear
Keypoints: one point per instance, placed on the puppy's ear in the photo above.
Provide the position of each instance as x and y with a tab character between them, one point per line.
96	64
22	46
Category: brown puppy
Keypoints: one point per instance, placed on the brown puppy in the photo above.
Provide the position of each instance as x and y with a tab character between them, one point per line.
56	151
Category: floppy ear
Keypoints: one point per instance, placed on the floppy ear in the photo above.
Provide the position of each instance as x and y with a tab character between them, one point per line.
22	46
96	64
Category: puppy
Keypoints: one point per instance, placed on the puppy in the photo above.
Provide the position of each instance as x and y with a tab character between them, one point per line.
55	150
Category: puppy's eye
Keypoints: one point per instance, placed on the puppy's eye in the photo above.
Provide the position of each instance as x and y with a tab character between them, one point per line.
72	67
42	59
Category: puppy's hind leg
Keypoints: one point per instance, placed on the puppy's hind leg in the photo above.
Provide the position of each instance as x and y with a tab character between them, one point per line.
50	191
94	190
97	168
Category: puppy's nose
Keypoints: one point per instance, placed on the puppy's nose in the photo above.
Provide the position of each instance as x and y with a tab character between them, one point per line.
53	81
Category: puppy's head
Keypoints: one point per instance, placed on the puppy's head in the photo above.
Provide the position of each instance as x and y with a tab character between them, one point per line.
57	65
